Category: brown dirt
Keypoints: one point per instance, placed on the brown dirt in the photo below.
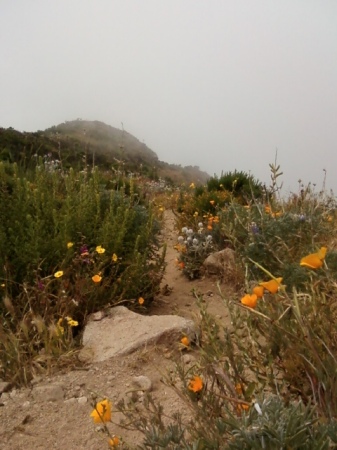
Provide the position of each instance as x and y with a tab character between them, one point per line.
36	424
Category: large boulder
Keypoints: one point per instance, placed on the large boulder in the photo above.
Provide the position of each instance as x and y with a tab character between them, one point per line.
122	332
221	264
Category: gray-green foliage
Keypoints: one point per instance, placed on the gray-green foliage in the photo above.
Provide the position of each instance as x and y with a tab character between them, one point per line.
277	361
42	210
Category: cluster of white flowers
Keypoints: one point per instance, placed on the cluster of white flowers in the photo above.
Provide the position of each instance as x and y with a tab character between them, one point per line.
188	238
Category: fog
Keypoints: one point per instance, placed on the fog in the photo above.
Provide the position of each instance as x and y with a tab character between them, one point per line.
218	84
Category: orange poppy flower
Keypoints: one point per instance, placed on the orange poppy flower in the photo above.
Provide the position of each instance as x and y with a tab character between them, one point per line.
314	260
196	384
258	291
242	407
96	278
273	285
249	300
102	412
113	442
185	341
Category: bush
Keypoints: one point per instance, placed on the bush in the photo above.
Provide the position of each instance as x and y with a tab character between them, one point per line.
243	187
278	236
68	247
194	247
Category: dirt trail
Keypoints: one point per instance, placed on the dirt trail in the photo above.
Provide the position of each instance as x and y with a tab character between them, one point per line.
181	298
32	423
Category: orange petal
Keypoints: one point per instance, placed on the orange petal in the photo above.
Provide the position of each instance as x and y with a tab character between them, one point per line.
322	252
273	285
185	341
312	261
258	291
196	384
249	300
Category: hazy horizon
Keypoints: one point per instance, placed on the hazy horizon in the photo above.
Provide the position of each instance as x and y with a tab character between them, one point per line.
222	85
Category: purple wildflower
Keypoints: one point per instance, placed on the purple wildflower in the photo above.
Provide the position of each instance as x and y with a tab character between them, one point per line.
84	250
254	228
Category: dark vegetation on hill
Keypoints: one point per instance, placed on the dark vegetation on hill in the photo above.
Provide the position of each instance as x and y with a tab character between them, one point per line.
79	142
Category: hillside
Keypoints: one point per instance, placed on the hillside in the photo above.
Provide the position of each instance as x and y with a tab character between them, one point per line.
82	142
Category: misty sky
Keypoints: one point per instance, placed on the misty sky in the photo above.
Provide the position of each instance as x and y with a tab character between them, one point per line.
220	84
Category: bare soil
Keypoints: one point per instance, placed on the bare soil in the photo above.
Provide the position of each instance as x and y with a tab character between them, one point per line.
33	423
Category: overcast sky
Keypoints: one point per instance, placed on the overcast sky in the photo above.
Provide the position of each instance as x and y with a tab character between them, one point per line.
220	84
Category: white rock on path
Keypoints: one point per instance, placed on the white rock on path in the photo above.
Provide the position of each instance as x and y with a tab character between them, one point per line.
123	332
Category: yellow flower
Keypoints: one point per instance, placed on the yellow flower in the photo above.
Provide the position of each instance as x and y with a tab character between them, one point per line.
73	323
196	384
258	291
185	341
102	411
273	285
314	260
141	300
192	185
114	257
161	209
70	244
96	278
100	249
249	300
113	442
58	274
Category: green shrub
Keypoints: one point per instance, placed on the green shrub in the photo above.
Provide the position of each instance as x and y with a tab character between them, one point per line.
69	247
241	185
278	237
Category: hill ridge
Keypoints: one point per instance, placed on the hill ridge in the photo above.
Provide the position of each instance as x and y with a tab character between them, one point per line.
96	143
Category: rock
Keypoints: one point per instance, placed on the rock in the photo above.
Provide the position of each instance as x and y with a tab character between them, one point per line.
13	393
82	400
220	263
99	315
48	393
123	332
70	400
143	383
5	396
